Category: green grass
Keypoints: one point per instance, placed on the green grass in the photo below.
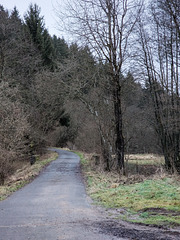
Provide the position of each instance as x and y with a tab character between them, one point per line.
82	159
147	194
148	219
140	199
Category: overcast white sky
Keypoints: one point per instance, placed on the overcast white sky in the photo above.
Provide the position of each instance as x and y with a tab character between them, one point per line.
46	10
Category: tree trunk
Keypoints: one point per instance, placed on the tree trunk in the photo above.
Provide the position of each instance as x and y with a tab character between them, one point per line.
172	153
105	154
177	152
119	144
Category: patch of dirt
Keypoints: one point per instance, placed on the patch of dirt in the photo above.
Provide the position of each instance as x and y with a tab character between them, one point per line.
135	233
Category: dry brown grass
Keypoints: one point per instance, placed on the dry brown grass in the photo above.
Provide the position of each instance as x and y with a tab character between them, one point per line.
149	159
24	174
150	167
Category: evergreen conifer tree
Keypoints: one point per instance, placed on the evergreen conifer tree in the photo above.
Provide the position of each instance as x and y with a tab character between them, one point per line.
48	50
35	25
61	48
39	34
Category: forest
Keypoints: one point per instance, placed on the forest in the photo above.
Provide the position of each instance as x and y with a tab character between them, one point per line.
113	91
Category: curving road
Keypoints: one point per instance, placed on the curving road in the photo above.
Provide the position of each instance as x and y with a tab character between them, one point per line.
53	207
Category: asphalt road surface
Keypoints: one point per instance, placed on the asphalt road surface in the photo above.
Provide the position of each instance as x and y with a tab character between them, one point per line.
52	207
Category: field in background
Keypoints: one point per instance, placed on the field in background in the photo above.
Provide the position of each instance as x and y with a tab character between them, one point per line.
147	194
144	164
150	159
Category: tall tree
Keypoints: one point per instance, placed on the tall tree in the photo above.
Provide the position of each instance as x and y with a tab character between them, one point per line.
4	20
89	83
106	26
160	51
36	27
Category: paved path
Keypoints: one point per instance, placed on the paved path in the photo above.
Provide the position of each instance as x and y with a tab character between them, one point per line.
53	207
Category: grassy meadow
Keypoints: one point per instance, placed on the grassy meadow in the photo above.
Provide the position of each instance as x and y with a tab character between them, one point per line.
147	194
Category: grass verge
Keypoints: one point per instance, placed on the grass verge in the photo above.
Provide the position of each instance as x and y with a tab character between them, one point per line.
25	174
152	200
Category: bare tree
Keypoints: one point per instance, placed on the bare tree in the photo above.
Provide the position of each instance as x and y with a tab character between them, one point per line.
83	80
160	55
14	127
172	8
106	26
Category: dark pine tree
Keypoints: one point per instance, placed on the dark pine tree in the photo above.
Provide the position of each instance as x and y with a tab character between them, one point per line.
61	48
48	53
36	28
35	25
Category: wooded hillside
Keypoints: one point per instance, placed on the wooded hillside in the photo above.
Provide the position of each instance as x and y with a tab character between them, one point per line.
115	92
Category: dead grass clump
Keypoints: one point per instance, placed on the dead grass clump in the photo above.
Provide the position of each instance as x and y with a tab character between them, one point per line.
24	174
27	171
7	166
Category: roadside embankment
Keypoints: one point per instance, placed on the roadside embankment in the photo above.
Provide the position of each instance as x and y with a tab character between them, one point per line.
151	199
